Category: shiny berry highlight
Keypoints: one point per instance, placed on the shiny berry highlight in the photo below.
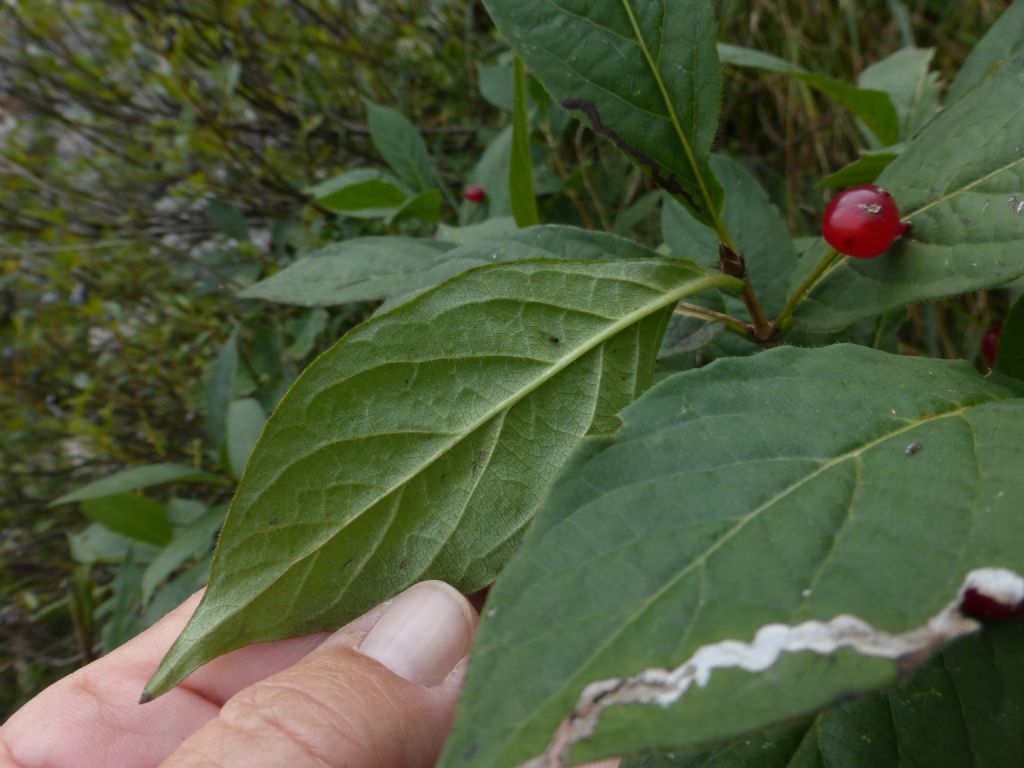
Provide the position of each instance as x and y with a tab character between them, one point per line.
862	222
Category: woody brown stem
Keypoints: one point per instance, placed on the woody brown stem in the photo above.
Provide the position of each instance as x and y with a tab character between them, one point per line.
731	262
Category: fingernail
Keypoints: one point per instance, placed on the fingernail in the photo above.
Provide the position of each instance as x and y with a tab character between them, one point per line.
423	633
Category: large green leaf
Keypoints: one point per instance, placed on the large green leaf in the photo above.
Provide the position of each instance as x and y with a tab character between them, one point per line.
645	73
363	269
401	145
1004	41
874	107
960	184
964	708
805	500
420	444
135	478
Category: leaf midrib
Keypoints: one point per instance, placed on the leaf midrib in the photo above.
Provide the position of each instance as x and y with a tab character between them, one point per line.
662	300
676	125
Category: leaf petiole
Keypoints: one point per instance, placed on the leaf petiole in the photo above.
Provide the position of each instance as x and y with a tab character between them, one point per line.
784	320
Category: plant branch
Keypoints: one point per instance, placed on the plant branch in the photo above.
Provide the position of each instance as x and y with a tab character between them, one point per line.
731	262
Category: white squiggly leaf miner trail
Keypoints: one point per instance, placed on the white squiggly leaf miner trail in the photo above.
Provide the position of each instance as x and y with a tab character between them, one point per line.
664	687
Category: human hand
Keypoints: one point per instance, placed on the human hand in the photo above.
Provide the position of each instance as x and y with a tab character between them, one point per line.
378	693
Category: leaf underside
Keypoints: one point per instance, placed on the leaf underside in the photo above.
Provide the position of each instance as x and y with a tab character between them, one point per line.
792	486
419	445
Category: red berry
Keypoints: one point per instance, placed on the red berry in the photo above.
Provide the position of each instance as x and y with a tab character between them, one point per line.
981	606
862	221
474	194
990	343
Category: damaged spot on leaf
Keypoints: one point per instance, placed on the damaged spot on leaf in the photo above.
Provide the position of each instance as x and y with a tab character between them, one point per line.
664	687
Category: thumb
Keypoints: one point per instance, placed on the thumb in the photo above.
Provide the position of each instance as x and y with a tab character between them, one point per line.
383	700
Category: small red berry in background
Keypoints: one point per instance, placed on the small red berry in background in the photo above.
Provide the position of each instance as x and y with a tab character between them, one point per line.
862	221
981	606
474	194
990	342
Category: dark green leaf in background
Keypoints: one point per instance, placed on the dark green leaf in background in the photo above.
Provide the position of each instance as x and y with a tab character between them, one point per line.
752	492
874	107
913	88
647	71
191	541
246	418
960	184
220	391
420	444
363	193
401	146
131	515
864	170
1010	359
520	171
227	218
135	478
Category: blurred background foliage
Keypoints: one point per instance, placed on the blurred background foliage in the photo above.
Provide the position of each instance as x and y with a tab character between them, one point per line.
159	156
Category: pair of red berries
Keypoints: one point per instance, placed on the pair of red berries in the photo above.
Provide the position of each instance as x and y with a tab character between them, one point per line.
862	222
474	194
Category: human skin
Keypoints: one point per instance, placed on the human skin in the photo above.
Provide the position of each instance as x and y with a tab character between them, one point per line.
378	693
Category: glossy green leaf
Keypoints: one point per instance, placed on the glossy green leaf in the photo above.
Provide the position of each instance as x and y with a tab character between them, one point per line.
1010	358
964	708
131	515
245	422
364	269
135	478
1003	42
874	108
401	146
520	170
756	226
420	444
960	184
794	486
914	90
646	74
